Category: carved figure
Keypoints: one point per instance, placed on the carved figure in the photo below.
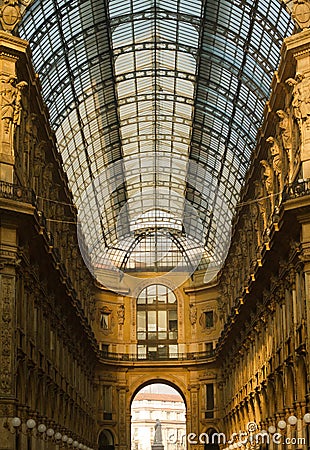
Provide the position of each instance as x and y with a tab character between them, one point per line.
121	314
285	130
48	177
301	97
10	100
39	159
268	181
158	438
276	161
193	314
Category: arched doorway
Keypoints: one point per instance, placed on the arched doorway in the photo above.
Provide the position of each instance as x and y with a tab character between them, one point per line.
158	416
106	440
212	442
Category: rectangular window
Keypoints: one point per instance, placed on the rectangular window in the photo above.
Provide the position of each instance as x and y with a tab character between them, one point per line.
209	319
209	348
105	349
107	402
209	414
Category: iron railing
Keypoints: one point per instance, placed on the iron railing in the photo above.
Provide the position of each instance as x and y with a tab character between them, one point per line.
297	189
193	356
17	193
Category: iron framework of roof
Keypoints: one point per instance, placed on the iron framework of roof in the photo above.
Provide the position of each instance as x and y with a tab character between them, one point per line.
156	106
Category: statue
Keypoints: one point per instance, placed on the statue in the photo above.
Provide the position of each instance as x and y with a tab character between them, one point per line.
268	181
276	161
285	131
47	179
10	98
301	98
158	438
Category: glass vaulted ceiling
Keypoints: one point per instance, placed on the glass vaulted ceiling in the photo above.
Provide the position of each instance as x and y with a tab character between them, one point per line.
156	105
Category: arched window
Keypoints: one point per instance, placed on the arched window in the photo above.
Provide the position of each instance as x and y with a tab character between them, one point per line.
157	323
106	441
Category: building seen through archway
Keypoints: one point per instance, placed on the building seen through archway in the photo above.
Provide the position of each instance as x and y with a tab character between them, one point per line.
158	402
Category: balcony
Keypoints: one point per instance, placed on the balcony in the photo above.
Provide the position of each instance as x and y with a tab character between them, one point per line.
17	193
133	357
299	188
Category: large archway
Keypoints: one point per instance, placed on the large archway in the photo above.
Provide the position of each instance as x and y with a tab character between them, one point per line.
158	415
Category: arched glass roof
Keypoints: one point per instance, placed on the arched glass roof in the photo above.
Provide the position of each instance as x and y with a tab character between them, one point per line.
156	105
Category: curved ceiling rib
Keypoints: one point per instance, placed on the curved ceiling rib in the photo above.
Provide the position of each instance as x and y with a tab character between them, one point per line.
156	105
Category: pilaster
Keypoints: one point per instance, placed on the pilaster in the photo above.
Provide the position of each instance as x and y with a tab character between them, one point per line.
7	332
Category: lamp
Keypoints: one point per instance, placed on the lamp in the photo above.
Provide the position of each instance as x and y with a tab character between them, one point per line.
307	418
30	424
292	420
41	428
282	424
50	432
16	422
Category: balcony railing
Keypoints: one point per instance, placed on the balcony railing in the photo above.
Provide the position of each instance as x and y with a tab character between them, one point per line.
194	356
17	193
297	189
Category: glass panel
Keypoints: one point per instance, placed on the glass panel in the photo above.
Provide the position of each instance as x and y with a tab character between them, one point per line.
162	320
151	320
162	351
173	320
161	290
151	294
141	320
141	351
162	335
141	335
171	297
173	351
